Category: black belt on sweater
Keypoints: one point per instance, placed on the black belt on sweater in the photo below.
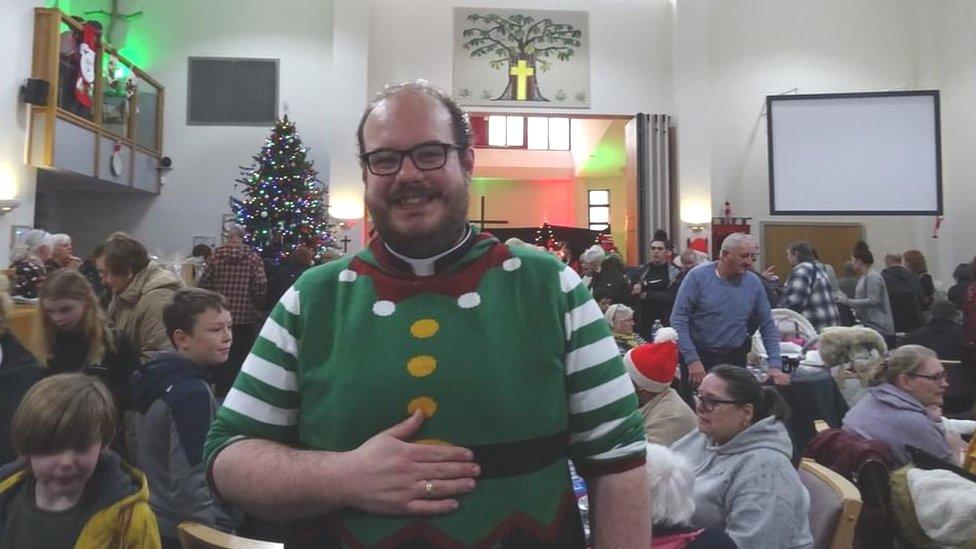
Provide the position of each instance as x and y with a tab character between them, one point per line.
509	459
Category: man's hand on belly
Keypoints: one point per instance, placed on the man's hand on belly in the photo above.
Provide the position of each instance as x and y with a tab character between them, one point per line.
389	476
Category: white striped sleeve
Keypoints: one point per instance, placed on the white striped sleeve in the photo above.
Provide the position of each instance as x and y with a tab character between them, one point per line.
591	355
601	395
568	279
270	373
581	316
593	434
635	447
277	334
290	301
259	410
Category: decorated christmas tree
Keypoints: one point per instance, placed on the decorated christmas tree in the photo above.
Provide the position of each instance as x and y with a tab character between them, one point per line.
284	201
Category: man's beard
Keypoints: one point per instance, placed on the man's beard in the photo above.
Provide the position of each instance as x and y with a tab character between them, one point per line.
423	245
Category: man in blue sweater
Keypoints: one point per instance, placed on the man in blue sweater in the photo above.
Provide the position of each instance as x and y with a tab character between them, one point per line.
715	306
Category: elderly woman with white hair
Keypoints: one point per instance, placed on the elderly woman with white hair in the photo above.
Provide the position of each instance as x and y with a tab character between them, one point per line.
591	261
672	485
62	253
621	320
29	264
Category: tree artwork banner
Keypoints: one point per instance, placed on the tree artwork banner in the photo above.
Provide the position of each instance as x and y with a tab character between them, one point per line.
521	58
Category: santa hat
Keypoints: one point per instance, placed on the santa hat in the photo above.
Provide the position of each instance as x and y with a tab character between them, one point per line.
652	365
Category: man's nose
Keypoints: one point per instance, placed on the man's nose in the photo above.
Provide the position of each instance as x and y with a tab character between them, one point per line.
408	170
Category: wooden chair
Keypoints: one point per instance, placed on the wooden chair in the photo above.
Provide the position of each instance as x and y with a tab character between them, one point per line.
835	504
197	536
969	462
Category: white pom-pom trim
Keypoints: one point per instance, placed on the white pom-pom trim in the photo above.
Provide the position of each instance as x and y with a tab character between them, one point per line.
469	300
511	264
348	276
384	308
665	334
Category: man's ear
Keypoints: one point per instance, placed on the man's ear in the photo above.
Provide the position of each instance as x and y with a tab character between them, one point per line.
467	160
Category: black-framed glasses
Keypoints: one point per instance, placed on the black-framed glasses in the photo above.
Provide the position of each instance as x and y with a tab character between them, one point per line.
708	404
426	157
938	378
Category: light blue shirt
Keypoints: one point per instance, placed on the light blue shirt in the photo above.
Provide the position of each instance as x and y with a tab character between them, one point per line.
713	313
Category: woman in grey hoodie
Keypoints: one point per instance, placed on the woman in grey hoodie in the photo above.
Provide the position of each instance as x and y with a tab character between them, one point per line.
744	479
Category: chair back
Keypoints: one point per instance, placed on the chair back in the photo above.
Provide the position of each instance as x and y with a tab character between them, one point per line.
198	536
835	505
969	463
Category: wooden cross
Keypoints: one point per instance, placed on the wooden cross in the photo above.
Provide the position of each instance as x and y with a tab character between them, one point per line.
345	243
482	221
523	72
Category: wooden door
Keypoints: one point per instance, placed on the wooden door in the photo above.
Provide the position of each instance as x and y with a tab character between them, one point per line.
833	242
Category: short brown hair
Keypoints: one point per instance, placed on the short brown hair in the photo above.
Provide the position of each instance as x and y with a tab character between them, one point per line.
124	255
187	304
460	124
64	412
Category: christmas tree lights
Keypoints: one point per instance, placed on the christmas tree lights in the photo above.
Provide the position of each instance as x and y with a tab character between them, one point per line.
284	202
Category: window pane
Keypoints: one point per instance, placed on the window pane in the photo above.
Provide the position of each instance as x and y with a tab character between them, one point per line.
538	133
598	226
496	131
147	99
599	214
599	198
516	128
115	99
558	134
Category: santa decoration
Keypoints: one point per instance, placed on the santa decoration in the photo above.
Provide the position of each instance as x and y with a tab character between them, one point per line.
652	366
85	83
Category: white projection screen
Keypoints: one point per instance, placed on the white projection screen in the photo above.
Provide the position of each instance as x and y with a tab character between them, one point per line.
855	154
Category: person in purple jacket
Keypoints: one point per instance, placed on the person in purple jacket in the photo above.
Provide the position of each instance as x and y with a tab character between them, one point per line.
893	411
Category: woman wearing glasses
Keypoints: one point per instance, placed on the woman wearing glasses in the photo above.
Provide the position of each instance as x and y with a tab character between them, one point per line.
744	479
894	409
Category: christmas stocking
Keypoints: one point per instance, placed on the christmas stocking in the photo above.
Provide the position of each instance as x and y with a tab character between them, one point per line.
85	83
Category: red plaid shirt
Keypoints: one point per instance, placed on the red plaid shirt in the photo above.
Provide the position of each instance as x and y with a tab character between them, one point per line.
238	274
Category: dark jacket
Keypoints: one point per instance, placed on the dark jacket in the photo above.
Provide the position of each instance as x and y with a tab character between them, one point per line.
284	277
611	281
19	370
942	336
957	293
177	405
114	369
903	292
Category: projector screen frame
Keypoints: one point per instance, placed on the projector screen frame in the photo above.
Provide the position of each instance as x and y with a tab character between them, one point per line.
938	152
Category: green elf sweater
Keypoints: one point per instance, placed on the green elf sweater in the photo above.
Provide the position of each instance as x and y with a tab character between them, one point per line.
502	348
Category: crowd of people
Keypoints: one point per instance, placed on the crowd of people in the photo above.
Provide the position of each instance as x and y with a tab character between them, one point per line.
437	388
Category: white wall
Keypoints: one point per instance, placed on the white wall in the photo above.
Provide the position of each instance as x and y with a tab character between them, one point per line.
762	47
710	63
16	178
206	159
630	48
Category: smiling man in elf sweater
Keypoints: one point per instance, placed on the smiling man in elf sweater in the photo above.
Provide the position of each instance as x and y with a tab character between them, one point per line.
429	390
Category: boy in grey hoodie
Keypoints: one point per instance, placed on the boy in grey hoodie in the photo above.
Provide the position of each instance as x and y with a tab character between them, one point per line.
173	393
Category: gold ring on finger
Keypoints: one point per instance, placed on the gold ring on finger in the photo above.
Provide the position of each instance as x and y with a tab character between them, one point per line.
429	488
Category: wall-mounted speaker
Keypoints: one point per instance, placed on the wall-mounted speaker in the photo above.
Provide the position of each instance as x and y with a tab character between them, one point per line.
34	91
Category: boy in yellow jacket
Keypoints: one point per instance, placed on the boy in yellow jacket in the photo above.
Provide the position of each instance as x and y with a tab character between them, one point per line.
68	489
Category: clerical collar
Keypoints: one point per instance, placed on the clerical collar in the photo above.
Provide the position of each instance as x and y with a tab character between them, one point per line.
428	266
